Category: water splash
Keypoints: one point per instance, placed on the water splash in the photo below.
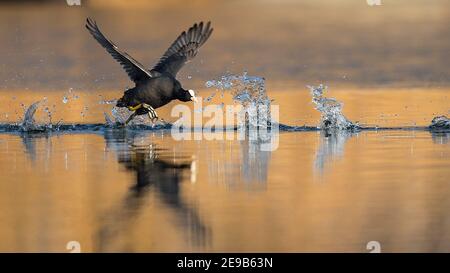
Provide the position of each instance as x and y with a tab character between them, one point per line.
248	91
29	123
121	114
108	119
331	111
440	123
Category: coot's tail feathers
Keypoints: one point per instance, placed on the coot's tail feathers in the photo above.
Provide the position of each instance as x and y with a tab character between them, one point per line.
184	48
134	69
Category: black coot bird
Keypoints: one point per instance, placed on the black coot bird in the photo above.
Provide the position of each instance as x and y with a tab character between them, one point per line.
158	86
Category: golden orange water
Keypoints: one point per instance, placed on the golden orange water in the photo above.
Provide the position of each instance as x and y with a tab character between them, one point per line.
312	194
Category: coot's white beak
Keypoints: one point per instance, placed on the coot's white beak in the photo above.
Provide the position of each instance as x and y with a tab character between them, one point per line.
193	97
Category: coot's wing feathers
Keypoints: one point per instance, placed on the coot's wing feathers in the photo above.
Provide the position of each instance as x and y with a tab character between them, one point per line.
183	49
134	69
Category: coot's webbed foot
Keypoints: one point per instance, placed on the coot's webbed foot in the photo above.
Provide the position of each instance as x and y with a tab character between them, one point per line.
151	113
138	111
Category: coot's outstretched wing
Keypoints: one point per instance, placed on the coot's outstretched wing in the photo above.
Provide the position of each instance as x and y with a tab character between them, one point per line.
183	49
134	69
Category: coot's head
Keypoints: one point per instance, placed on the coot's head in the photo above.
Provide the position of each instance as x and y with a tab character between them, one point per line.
188	95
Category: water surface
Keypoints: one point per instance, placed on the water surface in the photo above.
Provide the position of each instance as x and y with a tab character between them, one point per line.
120	191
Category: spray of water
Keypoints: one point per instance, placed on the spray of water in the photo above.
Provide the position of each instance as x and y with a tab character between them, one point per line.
250	92
440	123
28	123
121	114
330	110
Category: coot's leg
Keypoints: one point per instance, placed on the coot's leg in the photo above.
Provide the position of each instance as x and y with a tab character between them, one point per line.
133	108
130	118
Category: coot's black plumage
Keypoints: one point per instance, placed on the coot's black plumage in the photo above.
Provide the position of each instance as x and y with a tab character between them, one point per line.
158	86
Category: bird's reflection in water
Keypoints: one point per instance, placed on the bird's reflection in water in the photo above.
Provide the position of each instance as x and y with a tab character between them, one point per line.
156	171
331	148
